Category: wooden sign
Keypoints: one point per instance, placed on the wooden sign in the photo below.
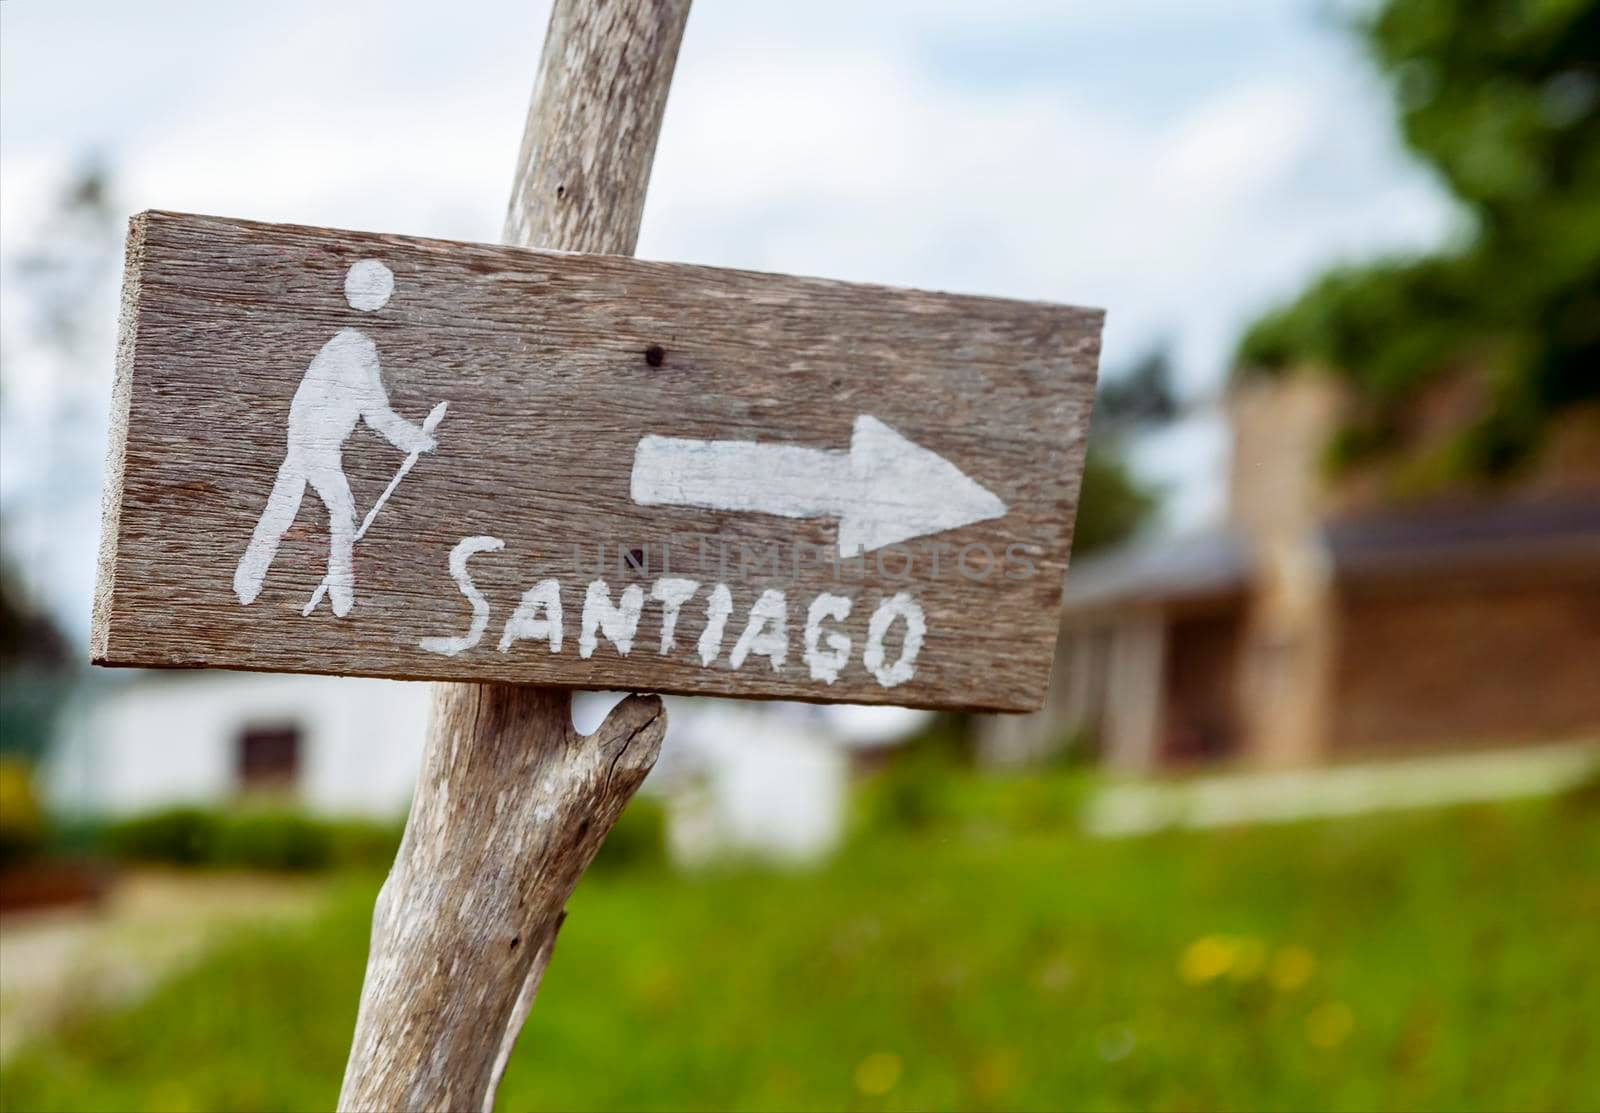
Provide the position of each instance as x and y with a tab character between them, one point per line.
345	453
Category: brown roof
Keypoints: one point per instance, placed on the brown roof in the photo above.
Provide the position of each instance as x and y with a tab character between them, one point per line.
1199	565
1466	535
1394	543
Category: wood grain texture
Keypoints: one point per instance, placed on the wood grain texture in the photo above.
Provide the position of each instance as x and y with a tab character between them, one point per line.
554	367
465	921
580	187
501	756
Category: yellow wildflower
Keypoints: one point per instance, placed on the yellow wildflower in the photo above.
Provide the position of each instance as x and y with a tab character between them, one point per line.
1206	958
878	1073
1292	967
1329	1024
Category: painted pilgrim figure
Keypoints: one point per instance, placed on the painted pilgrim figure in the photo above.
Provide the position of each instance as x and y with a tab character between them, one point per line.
342	386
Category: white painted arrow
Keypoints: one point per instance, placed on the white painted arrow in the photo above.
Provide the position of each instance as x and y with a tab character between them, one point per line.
884	489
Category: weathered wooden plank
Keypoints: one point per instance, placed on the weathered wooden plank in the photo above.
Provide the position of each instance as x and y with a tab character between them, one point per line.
511	804
613	425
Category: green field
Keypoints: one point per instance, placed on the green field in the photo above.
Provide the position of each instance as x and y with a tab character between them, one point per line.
980	956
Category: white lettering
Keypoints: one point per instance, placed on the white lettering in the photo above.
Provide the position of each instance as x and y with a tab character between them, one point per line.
766	632
617	621
900	605
672	594
526	625
465	548
825	664
718	608
828	645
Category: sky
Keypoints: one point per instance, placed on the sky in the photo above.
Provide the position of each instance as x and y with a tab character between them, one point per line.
1182	165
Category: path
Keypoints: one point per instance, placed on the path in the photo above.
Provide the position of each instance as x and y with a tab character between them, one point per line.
1218	801
56	963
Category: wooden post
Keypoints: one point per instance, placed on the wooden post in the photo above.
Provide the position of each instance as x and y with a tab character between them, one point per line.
837	421
511	803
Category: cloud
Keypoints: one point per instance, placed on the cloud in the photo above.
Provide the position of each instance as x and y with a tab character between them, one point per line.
1178	167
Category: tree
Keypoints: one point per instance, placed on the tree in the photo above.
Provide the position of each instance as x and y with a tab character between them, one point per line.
27	634
35	664
52	390
1113	503
1500	97
1141	395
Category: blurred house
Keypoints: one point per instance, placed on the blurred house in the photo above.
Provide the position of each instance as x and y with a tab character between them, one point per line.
748	780
139	741
1319	624
765	781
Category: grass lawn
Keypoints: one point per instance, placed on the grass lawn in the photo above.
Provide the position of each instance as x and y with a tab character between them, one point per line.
984	957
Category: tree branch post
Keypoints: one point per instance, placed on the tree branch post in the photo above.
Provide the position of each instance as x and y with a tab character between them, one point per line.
512	803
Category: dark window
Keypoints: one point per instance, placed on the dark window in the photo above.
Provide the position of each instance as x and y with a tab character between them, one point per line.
269	756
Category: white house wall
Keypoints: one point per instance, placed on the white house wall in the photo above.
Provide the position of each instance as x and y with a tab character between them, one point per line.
758	780
170	739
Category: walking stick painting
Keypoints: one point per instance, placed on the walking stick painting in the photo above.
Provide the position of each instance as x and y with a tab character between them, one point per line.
342	387
428	426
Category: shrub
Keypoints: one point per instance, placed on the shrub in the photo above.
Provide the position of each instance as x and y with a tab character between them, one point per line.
363	844
278	838
274	840
928	791
637	841
182	836
21	823
264	839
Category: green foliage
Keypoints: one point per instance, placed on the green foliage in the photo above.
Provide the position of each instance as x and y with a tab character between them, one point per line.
638	841
173	836
1502	99
920	795
272	838
1385	962
1387	327
275	840
27	635
920	785
22	831
35	677
1111	502
250	838
927	784
361	843
1141	395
